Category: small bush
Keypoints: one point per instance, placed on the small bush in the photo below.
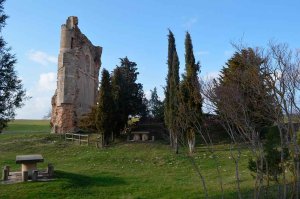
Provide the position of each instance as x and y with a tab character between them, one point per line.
272	168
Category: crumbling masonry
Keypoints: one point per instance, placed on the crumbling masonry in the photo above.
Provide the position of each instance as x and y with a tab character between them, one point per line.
77	78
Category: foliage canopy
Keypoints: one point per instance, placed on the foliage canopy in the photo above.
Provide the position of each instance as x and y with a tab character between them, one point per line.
12	93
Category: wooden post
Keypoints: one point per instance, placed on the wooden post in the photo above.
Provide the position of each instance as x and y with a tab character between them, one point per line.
5	174
72	137
8	168
102	140
153	138
88	140
98	141
79	139
24	176
50	170
34	175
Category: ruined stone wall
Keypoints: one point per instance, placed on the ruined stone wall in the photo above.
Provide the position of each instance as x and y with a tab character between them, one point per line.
79	62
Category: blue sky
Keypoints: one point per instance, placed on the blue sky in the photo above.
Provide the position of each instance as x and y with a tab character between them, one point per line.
138	29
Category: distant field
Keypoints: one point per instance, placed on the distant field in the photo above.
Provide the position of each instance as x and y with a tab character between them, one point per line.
26	126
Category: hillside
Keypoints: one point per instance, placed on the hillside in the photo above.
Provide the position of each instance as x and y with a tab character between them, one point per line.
124	170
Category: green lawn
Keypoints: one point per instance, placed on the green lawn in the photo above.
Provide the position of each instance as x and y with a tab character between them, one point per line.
124	170
26	126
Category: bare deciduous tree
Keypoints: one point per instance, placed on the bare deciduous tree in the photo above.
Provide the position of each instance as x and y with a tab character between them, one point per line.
283	68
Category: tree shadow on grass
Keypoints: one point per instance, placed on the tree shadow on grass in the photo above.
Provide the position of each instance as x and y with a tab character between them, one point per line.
265	192
79	180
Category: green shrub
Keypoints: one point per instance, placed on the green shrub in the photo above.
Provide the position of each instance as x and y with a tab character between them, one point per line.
272	166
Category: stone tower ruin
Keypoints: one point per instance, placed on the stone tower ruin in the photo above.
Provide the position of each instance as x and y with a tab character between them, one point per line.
79	62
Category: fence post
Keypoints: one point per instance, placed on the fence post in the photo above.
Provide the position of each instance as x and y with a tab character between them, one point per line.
25	176
8	168
34	175
50	170
88	140
4	174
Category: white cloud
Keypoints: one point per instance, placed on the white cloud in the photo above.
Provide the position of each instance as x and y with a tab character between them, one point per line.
42	57
47	82
40	102
35	108
190	22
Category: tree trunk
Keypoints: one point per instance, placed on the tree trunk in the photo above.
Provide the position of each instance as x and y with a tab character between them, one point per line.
102	140
175	144
171	138
191	141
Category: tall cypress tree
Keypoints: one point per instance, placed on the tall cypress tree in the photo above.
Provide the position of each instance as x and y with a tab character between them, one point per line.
171	92
171	46
105	106
190	96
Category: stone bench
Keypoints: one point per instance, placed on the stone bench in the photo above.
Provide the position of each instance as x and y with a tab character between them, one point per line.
29	163
140	135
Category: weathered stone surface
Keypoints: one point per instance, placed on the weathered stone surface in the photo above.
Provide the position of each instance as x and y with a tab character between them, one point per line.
79	62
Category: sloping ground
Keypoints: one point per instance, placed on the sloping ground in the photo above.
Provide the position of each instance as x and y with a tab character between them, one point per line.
125	170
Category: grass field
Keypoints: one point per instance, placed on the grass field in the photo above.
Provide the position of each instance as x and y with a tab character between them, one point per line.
124	170
26	126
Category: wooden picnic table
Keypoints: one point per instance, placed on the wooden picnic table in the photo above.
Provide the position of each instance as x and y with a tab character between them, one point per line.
29	162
